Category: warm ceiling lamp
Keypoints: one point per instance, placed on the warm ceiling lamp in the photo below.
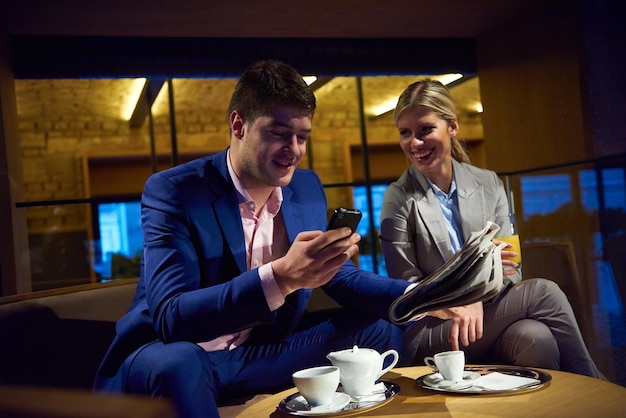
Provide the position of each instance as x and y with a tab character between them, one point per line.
161	103
446	79
390	104
134	92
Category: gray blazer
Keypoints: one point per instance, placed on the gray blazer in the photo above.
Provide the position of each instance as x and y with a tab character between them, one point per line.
413	231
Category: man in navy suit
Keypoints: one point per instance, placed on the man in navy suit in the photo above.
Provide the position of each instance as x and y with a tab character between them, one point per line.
233	245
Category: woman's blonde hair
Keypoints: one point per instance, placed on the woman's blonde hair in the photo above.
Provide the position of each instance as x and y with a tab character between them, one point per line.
435	96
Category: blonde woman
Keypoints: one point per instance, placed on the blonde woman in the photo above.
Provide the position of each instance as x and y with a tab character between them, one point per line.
426	215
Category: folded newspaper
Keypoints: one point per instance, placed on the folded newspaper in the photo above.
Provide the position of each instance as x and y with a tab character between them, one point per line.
473	274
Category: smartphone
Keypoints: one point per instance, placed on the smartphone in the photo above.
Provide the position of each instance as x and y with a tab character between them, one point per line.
345	217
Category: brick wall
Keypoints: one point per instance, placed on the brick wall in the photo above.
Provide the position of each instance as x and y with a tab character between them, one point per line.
62	121
56	129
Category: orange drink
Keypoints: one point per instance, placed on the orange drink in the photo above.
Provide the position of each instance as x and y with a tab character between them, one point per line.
515	246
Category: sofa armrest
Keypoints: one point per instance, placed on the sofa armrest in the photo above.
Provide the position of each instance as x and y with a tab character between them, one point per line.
58	338
22	402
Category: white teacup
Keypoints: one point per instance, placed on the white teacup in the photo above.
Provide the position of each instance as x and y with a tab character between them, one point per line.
317	384
449	363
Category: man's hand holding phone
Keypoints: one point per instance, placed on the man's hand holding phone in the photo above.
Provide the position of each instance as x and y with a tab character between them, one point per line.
316	256
344	218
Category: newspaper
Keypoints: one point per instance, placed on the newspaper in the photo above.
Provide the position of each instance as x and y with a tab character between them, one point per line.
473	274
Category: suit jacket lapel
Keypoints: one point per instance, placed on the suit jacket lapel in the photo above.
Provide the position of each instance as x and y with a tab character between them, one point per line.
430	211
227	210
471	200
293	213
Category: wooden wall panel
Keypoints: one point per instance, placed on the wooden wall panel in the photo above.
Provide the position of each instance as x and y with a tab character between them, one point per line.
531	88
124	174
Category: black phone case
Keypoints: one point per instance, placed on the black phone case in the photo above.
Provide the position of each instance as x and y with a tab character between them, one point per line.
345	217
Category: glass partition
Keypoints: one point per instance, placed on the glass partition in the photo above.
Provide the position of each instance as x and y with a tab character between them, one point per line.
584	204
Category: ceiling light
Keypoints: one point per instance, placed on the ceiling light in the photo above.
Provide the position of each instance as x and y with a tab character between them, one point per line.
309	79
161	102
447	78
385	107
390	104
134	93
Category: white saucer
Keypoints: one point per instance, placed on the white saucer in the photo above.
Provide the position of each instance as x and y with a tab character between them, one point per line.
300	405
436	380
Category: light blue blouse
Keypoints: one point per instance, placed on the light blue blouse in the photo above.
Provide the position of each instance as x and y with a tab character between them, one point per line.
450	207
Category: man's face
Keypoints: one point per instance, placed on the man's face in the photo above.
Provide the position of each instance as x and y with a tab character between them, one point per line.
268	149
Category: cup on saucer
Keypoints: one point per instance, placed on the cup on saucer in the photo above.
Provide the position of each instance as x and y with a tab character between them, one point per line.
317	384
449	363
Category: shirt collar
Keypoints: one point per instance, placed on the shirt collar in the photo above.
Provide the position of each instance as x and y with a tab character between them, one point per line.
440	192
273	203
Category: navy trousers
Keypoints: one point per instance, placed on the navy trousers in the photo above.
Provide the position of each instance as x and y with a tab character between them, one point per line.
196	380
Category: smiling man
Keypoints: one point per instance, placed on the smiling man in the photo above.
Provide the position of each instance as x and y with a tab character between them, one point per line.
233	245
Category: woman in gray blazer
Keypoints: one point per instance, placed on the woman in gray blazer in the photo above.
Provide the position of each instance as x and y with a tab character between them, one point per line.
426	216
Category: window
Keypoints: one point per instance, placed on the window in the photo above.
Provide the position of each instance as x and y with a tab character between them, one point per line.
366	258
117	239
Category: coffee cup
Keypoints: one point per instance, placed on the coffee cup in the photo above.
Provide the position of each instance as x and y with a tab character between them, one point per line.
317	384
449	363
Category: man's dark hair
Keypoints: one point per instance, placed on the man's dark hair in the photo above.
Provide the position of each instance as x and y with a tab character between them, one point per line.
267	84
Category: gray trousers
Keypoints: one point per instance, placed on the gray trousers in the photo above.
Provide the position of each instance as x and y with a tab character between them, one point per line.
530	324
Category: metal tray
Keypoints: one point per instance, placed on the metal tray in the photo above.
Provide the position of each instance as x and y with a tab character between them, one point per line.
391	390
543	377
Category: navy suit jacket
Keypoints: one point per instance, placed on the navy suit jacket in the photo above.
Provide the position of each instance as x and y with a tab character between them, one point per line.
194	284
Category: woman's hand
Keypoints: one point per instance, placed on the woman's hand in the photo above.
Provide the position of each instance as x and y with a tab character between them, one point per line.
467	323
509	267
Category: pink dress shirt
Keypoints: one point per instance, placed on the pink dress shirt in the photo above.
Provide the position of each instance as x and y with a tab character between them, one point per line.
266	240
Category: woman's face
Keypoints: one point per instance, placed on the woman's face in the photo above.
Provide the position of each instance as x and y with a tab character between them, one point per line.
427	140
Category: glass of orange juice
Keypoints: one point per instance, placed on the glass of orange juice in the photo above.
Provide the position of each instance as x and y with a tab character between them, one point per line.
515	246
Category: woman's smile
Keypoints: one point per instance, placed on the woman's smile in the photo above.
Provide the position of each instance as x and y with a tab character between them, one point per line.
422	156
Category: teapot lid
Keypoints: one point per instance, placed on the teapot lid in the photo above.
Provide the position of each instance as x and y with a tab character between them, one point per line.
354	353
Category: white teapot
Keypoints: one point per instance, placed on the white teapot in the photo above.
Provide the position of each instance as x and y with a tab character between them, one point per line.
359	368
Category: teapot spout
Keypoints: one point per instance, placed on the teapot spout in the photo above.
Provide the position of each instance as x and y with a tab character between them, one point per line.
337	357
332	357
